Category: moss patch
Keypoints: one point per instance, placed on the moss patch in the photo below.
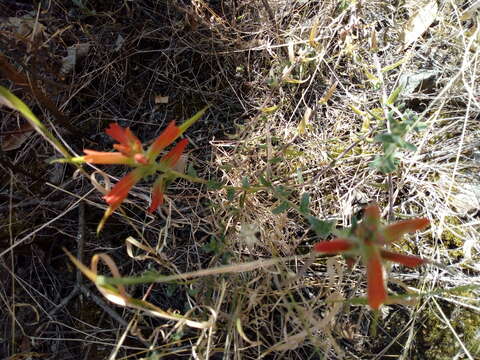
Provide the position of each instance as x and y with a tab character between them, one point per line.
437	340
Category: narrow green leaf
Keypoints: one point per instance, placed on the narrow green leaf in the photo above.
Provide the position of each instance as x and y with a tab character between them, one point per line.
13	102
245	182
264	182
214	185
230	194
394	95
281	208
191	171
305	203
300	176
192	120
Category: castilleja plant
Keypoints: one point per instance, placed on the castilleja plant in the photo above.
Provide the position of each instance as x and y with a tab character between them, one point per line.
369	240
130	152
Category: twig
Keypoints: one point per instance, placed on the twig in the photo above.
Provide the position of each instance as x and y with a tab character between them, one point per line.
99	301
80	251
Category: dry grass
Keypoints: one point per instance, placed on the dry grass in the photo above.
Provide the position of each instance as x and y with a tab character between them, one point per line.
283	78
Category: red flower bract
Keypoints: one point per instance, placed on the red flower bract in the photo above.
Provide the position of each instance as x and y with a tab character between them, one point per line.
407	260
376	291
333	246
174	155
157	194
394	232
166	138
120	191
130	152
129	144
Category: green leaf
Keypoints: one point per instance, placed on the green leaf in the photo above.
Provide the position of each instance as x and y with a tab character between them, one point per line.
170	289
230	194
264	182
394	95
420	126
282	191
385	164
245	182
214	246
409	146
191	171
13	102
192	120
214	185
322	228
281	208
300	176
305	203
275	160
385	138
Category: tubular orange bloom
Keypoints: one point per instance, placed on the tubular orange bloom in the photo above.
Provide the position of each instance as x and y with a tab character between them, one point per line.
129	144
100	157
117	132
394	232
120	191
333	247
376	291
166	138
157	194
174	155
407	260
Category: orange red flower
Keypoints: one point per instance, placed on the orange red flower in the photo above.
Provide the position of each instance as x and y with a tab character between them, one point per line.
130	152
376	290
368	240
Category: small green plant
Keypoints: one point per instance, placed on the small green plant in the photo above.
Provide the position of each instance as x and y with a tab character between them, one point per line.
399	124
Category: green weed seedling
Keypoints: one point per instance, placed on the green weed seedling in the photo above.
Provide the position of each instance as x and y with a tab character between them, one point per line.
400	124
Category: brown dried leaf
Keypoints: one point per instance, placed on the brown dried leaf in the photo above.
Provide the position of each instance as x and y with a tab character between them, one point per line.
74	53
419	22
159	99
24	26
14	141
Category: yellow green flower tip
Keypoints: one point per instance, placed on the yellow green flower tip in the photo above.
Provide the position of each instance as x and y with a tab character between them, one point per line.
192	120
106	215
72	160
